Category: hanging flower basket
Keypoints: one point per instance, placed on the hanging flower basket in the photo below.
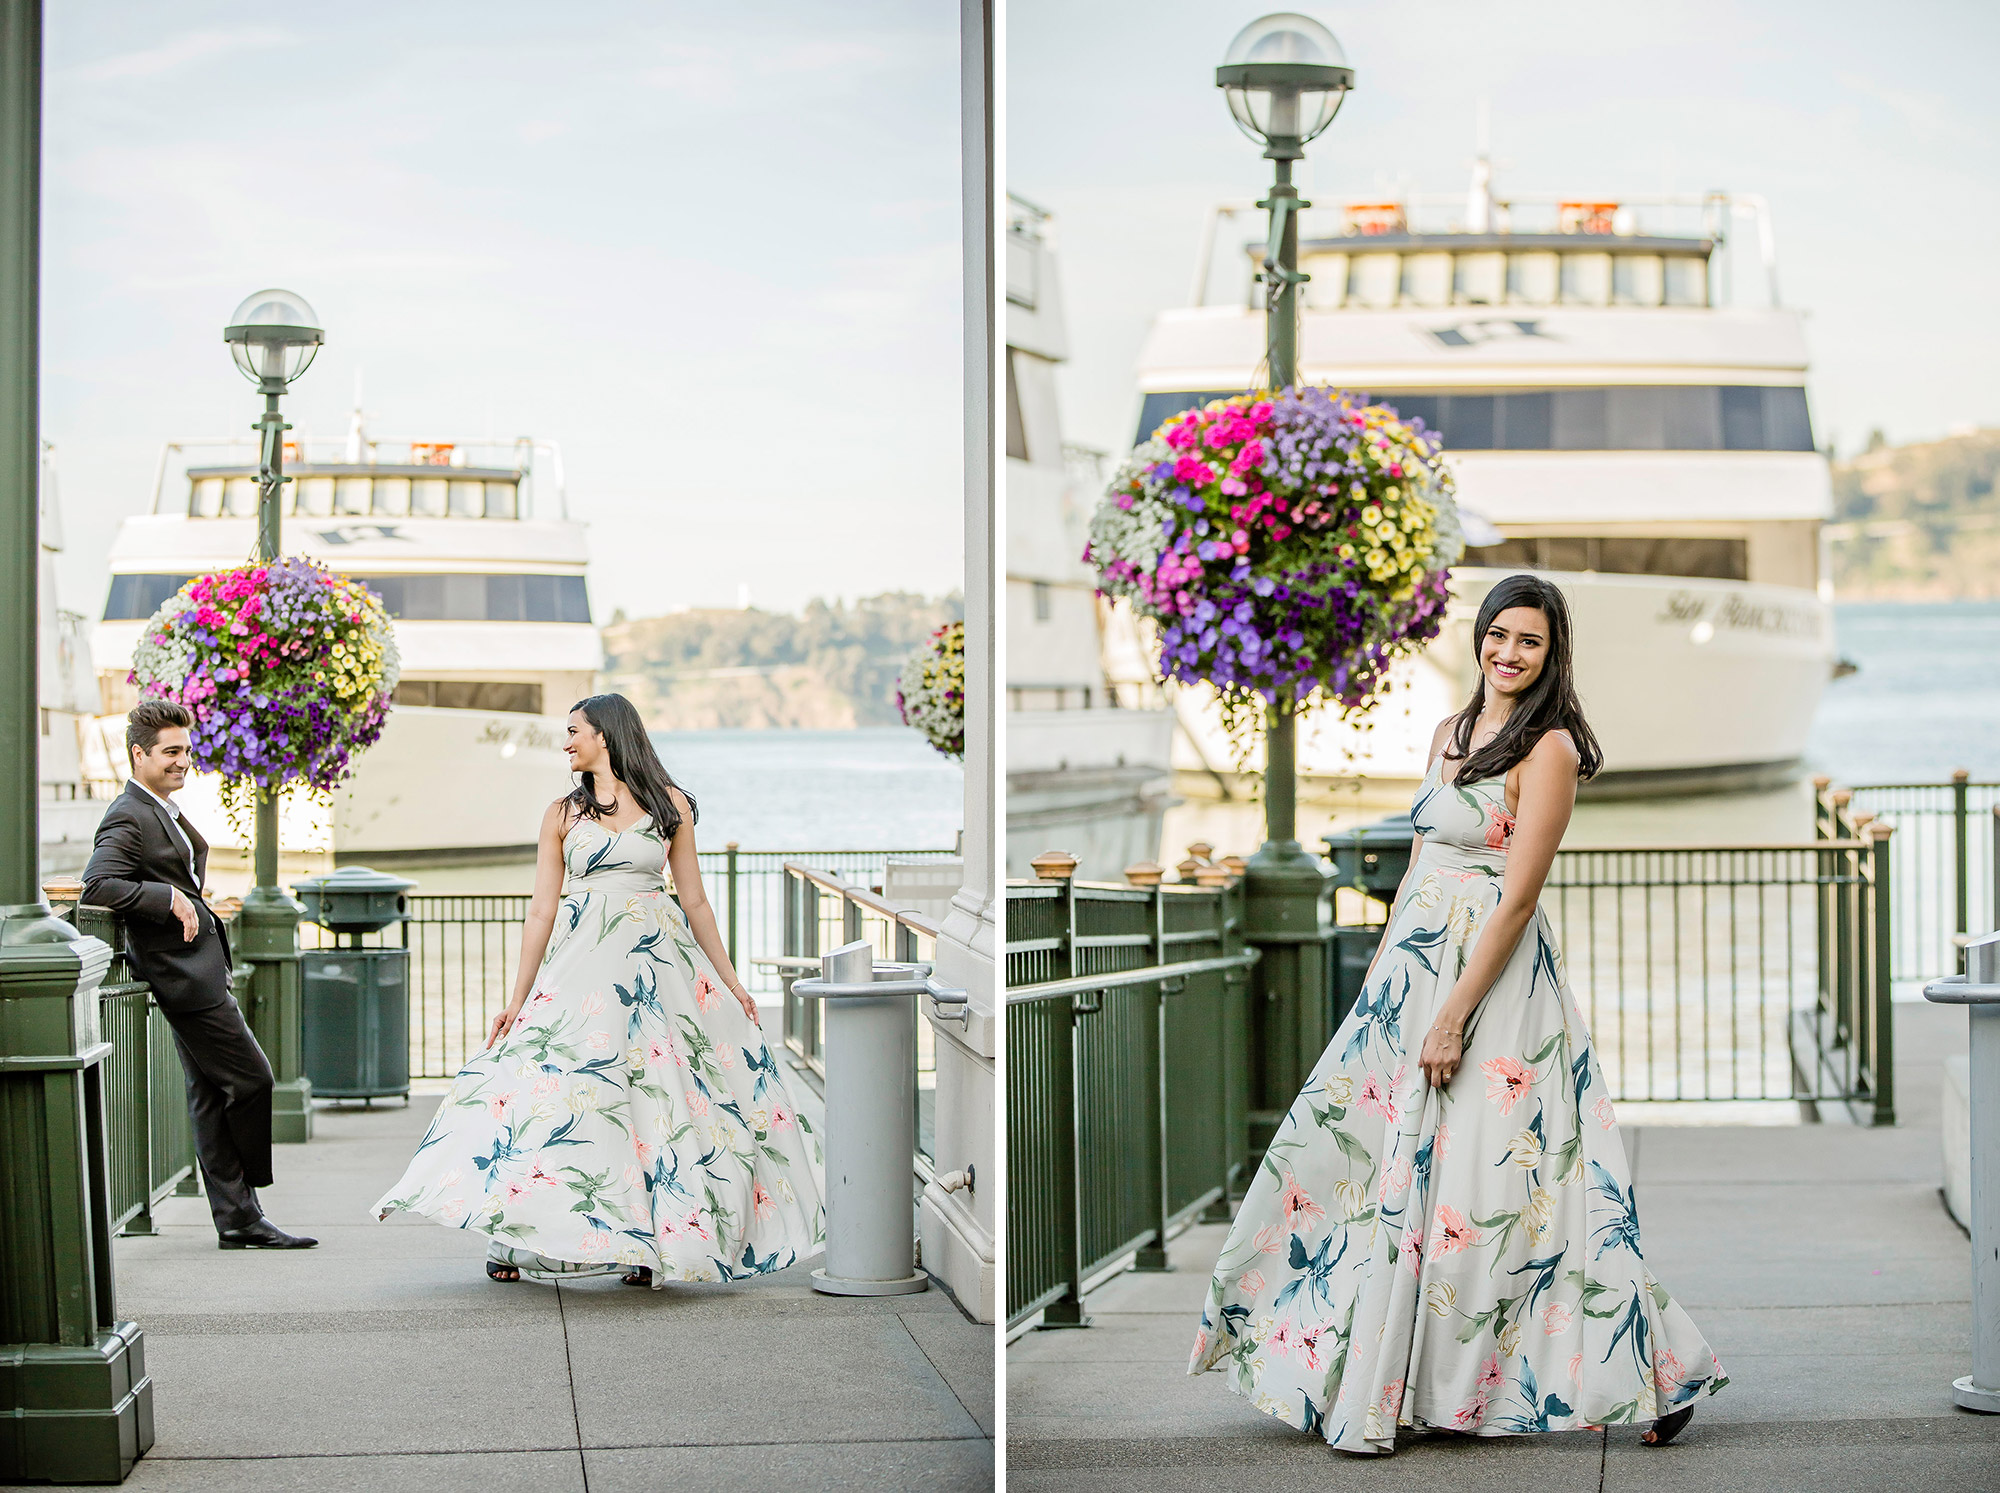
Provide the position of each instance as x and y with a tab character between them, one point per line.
930	695
1290	546
287	667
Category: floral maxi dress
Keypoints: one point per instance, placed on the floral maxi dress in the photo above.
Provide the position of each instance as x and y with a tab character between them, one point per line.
1465	1258
633	1115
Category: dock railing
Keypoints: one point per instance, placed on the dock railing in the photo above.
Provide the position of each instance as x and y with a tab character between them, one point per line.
1128	1075
1705	973
822	910
465	949
1945	869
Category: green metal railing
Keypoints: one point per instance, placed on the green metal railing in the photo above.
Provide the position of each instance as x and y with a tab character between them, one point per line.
148	1141
822	911
465	949
1944	861
1128	1078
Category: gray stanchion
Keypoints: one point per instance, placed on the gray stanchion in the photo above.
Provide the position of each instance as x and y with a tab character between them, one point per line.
1978	989
869	1032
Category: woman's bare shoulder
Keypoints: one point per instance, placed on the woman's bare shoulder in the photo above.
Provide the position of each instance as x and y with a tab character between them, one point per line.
1556	748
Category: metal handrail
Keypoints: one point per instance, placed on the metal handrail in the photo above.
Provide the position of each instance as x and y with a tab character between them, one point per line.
1123	978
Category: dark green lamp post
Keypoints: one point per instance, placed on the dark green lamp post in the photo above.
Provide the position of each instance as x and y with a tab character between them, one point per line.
274	337
1284	77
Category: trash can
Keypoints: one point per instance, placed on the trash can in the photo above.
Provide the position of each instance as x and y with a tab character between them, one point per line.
357	1000
1372	857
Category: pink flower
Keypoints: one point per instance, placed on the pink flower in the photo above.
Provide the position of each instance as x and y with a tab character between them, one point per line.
697	1102
598	1042
1412	1251
452	1210
1270	1239
1392	1398
781	1118
1300	1210
1283	1338
1395	1180
515	1192
1451	1232
1576	1368
1200	1342
1556	1319
548	1083
593	1003
1472	1413
1667	1370
1506	1081
1602	1110
658	1051
1375	1100
1499	827
539	1178
704	992
594	1241
542	998
1251	1283
761	1201
1308	1347
497	1105
725	1058
644	1151
1489	1371
1443	1147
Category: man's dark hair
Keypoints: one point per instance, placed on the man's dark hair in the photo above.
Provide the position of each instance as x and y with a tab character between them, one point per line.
146	720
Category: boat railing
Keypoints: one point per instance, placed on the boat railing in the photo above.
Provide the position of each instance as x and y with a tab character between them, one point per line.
523	456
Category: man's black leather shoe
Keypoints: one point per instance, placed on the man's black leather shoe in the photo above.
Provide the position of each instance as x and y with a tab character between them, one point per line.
263	1234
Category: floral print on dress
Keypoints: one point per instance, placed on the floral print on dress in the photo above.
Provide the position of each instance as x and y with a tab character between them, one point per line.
634	1115
1466	1258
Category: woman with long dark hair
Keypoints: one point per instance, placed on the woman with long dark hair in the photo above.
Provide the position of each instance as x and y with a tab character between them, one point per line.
1421	1248
627	1113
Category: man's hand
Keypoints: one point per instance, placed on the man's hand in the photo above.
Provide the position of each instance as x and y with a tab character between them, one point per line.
184	910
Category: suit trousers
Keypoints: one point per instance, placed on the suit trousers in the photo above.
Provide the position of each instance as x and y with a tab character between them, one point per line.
229	1101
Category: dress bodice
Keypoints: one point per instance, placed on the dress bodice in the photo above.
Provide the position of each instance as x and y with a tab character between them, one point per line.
621	861
1464	825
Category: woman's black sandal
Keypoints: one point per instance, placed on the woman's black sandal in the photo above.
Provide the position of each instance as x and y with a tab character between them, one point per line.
495	1269
643	1276
1667	1427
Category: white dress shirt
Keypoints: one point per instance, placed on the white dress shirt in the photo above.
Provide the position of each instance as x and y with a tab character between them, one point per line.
173	818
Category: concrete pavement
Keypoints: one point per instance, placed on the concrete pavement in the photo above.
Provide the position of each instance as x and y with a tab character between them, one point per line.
1818	1260
386	1360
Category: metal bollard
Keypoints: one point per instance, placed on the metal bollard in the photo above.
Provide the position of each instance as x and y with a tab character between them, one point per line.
1978	989
870	1038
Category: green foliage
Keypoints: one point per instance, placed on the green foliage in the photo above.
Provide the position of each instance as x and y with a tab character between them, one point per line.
1920	520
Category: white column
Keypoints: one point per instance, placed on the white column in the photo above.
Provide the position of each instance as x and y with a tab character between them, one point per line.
959	1227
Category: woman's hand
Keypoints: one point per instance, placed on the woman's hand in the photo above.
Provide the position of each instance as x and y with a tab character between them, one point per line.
1444	1050
743	999
503	1022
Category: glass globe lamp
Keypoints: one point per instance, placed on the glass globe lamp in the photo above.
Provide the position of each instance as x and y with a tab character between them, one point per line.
1284	77
273	336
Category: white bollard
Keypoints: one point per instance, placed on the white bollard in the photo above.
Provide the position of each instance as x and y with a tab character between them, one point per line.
1978	990
869	1026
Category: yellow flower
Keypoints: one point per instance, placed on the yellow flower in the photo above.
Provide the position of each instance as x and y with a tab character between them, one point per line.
1440	1297
1347	552
1535	1218
1510	1339
1371	514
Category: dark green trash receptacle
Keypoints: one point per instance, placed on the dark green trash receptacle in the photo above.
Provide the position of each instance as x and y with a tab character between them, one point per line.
357	1000
1372	857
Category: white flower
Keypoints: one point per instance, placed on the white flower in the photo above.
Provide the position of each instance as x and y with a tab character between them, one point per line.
1525	1150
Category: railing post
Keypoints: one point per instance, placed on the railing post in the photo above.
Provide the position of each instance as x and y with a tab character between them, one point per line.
729	941
1067	1309
1883	1058
1823	873
1845	903
1996	866
1961	862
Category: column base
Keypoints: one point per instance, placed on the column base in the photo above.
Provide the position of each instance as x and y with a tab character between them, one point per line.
957	1249
837	1285
75	1415
292	1112
1969	1396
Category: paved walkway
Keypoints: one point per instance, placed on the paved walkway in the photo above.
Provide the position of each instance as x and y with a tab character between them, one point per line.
385	1360
1818	1260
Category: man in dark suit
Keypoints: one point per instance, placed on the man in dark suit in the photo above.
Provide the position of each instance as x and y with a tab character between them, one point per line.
147	866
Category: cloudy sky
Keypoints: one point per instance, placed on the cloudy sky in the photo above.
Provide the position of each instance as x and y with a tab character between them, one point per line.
711	250
1872	132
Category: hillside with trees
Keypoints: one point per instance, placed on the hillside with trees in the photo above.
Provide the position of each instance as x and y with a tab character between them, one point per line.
1918	522
831	667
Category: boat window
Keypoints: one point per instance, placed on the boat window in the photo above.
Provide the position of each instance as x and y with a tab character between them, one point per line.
427	497
1586	279
206	498
1635	280
314	496
1426	279
1664	417
240	497
468	500
1686	280
502	499
392	496
1697	558
482	598
1479	279
471	694
1531	278
134	598
352	496
1372	279
1326	288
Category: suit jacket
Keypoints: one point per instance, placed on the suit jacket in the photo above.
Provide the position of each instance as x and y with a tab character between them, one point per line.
135	865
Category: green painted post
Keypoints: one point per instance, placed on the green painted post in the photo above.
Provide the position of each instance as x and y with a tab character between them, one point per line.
268	926
75	1403
731	942
1884	1014
1962	859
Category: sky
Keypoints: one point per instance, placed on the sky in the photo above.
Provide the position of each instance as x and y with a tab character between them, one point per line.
712	251
1872	132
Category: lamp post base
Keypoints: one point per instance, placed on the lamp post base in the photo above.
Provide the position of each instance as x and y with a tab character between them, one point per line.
1285	915
1969	1396
75	1414
268	940
835	1285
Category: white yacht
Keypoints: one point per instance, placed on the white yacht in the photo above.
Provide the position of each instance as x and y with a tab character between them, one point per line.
473	552
72	799
1088	766
1616	415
